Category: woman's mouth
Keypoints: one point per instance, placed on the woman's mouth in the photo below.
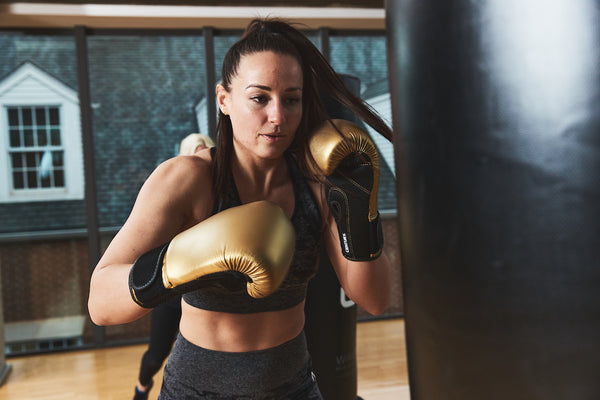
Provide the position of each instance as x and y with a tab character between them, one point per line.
272	137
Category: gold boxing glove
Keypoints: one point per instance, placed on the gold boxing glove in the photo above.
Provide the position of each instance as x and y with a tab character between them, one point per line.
348	158
254	241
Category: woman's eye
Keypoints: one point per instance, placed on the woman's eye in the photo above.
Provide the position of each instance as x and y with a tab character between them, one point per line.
293	100
259	99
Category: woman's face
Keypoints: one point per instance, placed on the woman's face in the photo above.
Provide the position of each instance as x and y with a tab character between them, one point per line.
264	103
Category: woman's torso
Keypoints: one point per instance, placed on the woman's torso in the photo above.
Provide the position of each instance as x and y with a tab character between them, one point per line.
220	320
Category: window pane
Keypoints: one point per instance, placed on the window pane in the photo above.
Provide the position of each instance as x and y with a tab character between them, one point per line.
40	116
15	138
17	160
28	137
55	137
32	179
59	178
26	116
57	159
222	45
54	120
18	180
13	117
42	137
46	181
31	160
145	89
360	56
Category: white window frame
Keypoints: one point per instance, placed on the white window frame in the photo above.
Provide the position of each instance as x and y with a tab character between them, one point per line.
28	85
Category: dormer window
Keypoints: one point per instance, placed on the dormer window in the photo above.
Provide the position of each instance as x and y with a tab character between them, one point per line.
40	142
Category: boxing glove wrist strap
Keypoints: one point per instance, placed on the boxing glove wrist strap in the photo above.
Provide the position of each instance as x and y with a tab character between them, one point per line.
145	279
361	239
361	243
375	238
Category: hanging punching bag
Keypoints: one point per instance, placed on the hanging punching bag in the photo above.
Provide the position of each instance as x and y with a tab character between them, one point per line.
330	316
496	109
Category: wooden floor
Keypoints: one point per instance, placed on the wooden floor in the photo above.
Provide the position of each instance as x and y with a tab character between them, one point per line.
108	374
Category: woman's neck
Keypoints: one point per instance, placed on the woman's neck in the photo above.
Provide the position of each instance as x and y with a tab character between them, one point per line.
258	179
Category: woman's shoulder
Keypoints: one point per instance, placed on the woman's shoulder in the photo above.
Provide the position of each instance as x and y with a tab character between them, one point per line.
181	183
181	169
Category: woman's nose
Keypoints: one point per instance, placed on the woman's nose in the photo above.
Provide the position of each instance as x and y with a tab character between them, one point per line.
276	112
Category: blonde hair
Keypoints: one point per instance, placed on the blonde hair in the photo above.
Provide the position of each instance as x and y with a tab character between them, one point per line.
191	142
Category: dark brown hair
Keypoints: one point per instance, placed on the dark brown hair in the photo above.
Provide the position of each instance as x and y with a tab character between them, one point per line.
281	37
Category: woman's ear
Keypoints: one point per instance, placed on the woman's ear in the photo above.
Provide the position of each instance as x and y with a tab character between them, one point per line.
222	99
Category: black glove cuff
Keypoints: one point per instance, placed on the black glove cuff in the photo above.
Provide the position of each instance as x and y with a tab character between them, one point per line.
375	238
360	239
366	241
145	279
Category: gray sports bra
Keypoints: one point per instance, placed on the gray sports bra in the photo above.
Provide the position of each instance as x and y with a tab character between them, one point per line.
230	295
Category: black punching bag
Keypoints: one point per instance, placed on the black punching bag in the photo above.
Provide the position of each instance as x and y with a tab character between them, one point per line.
330	316
496	110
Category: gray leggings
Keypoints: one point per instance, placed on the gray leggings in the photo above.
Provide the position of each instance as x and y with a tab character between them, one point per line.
280	373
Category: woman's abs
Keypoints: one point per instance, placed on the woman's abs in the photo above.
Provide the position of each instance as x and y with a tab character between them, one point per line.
229	332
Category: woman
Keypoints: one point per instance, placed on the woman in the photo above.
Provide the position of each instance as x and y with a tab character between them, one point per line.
232	345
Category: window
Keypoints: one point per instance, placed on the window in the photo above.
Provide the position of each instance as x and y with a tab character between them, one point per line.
41	138
364	56
35	148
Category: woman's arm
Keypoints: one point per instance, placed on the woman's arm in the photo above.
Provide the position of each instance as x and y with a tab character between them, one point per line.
175	196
